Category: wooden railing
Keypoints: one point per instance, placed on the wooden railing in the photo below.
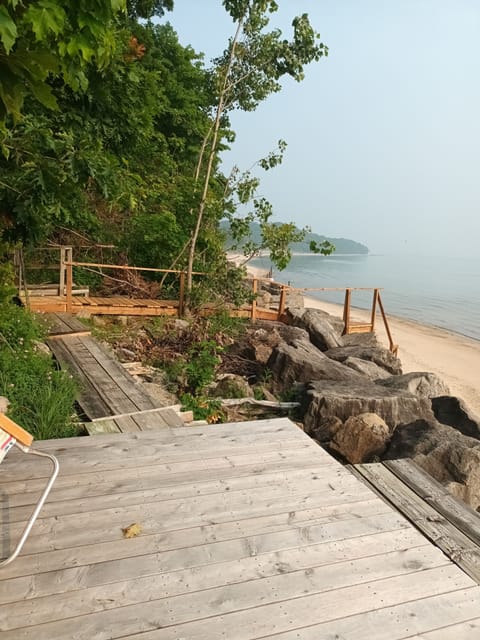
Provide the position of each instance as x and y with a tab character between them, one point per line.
253	311
349	326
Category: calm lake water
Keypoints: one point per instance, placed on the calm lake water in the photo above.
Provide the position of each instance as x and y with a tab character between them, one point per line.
444	292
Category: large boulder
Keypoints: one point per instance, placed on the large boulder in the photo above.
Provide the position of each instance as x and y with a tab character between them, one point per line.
380	356
421	384
369	369
361	438
300	361
446	454
326	399
454	412
230	385
324	330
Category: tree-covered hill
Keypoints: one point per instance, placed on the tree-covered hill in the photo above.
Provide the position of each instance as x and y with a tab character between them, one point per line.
342	245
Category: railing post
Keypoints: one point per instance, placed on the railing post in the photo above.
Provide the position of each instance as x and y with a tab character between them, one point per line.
61	281
254	301
346	311
181	298
374	308
69	274
393	347
283	297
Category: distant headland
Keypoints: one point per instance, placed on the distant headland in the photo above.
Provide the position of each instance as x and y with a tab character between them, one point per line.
342	245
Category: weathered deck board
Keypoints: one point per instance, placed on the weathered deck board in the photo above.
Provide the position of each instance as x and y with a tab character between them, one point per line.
105	387
434	525
248	531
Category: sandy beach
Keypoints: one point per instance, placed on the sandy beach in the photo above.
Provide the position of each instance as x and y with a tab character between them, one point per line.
453	357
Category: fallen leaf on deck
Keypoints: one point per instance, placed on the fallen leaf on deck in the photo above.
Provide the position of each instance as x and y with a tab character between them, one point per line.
132	530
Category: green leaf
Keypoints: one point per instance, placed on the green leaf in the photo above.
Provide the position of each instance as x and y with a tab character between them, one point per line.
8	30
118	5
46	17
43	94
80	44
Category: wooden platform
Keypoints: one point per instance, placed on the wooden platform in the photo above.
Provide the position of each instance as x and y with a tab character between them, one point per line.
248	531
123	306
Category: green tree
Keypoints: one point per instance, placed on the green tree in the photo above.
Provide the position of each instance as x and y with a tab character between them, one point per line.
250	70
44	39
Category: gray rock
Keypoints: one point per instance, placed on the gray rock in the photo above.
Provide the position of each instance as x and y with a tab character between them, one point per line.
422	384
4	402
320	329
326	399
361	438
446	454
380	356
325	330
230	385
455	413
369	369
299	361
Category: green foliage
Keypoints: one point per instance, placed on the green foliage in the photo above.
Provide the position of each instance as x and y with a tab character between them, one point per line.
44	39
7	288
41	397
203	408
202	361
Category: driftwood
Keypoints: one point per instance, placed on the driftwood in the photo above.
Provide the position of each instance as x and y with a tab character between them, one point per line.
230	402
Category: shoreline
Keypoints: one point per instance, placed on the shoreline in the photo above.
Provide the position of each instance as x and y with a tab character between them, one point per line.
453	357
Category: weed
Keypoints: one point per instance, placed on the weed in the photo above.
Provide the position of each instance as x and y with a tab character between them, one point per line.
203	408
203	360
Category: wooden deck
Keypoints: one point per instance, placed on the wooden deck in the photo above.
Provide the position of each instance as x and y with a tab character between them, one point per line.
249	531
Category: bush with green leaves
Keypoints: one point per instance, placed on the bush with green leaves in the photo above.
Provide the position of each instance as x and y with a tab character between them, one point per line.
41	397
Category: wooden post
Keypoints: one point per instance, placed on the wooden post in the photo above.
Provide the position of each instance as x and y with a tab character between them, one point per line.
61	282
254	301
393	347
69	277
346	311
374	308
181	295
281	306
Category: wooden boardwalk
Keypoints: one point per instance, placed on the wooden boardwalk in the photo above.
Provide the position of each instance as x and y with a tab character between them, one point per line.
249	531
105	388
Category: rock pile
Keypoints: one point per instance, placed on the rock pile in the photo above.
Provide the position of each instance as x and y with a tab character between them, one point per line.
359	405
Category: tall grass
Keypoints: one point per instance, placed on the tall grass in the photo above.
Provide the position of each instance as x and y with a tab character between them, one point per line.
41	398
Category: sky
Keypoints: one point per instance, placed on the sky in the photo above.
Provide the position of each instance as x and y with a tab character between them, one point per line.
383	135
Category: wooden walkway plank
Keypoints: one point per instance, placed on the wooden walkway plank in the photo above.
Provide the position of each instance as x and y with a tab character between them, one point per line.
157	495
69	537
398	622
219	564
434	494
183	462
279	426
205	617
75	496
442	532
272	532
75	530
463	631
212	591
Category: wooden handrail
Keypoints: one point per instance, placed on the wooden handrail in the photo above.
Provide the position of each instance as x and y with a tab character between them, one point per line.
131	268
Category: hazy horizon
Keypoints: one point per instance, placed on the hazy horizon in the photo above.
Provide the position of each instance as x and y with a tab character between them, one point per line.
383	135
